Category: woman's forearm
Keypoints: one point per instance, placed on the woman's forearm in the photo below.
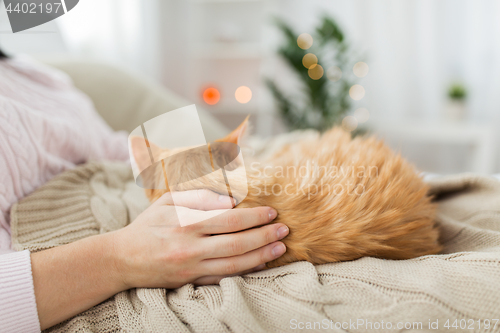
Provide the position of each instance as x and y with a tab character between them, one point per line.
72	278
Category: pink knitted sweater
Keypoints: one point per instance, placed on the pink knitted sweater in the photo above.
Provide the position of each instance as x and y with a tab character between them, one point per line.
46	127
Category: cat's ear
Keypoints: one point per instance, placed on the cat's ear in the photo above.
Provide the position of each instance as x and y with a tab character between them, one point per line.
143	151
236	135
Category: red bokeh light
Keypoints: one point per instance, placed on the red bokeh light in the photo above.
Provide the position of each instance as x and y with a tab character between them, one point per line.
211	95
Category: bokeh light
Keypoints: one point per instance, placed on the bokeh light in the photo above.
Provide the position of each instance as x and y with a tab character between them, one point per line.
305	41
362	115
334	73
211	95
309	60
360	69
243	94
349	123
357	92
316	72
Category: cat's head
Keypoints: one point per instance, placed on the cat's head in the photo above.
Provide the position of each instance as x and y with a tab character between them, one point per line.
180	169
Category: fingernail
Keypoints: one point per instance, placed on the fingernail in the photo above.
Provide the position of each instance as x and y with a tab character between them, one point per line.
278	250
272	214
282	232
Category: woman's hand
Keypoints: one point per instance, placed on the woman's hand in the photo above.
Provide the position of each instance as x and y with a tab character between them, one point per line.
155	251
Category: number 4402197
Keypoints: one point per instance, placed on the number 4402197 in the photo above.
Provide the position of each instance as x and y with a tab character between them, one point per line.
34	8
471	324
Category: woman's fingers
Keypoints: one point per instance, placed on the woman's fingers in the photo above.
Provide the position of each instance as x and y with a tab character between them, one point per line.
189	216
212	212
215	279
229	245
237	220
232	265
197	199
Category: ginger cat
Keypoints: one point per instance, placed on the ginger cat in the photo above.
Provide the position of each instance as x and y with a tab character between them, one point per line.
341	198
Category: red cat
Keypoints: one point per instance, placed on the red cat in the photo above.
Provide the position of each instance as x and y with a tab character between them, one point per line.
341	198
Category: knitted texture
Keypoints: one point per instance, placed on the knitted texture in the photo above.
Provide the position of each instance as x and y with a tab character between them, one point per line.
18	311
46	127
461	283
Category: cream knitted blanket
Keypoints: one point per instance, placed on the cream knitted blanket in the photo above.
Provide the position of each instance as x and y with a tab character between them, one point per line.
459	288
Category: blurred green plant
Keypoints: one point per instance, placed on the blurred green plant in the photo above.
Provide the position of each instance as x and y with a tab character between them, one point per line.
320	103
457	92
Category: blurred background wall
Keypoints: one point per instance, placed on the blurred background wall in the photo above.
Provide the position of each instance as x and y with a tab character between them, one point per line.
414	52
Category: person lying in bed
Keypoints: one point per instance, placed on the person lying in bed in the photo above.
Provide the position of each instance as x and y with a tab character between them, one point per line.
46	127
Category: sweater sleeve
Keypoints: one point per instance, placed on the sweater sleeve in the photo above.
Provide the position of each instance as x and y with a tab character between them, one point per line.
18	312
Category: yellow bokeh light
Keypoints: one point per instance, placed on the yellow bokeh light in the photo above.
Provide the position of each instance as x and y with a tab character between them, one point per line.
305	41
360	69
309	60
316	72
362	115
334	73
243	94
357	92
349	123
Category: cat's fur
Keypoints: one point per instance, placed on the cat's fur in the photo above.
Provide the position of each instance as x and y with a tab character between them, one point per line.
384	210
